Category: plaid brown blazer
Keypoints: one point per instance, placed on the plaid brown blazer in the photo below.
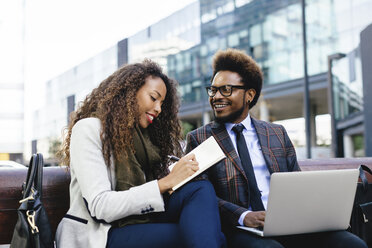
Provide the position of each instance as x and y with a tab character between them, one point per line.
228	176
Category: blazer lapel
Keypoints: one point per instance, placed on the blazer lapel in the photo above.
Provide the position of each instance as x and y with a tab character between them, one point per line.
263	137
223	139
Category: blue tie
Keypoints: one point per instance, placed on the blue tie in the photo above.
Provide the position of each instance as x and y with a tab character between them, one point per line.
254	192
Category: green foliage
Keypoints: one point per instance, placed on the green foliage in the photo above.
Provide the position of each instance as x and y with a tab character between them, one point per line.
186	127
54	146
358	141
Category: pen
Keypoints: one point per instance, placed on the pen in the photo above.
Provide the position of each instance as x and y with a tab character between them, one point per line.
173	158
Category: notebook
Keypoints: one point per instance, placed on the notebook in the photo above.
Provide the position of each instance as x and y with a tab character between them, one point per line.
309	201
207	154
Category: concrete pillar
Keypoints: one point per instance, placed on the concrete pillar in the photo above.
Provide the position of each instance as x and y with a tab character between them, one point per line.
206	118
348	146
264	111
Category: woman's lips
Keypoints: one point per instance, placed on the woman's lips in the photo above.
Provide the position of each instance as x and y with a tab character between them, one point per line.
150	117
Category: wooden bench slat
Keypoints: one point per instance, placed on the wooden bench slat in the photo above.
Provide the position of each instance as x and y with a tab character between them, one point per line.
55	197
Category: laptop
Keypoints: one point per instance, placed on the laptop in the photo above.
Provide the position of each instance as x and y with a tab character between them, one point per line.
309	201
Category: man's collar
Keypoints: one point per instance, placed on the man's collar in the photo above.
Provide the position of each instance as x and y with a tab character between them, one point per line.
247	123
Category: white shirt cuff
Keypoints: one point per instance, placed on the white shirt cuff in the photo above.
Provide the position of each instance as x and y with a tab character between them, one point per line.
242	216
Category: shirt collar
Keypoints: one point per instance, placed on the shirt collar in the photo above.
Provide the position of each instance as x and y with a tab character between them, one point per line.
247	123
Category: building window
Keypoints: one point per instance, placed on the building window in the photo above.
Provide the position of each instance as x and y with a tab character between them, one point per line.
233	40
70	106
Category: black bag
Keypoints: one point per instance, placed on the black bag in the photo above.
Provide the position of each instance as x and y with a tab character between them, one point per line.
361	217
32	229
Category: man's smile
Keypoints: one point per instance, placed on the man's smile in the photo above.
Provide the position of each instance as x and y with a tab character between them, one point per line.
220	105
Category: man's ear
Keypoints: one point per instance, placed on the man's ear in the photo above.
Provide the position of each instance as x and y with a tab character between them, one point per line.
250	94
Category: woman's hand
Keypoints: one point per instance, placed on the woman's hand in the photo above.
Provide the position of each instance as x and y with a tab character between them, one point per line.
184	168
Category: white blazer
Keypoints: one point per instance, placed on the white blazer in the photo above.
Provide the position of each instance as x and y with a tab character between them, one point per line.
94	203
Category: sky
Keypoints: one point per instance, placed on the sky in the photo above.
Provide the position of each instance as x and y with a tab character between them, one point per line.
61	34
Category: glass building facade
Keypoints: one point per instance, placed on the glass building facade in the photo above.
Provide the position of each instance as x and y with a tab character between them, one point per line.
347	85
271	32
175	33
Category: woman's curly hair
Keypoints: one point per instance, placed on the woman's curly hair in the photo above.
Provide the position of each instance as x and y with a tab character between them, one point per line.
114	102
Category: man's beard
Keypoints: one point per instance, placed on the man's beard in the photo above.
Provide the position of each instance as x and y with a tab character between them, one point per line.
229	118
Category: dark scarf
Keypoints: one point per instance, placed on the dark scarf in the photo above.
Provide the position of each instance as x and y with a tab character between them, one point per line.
136	169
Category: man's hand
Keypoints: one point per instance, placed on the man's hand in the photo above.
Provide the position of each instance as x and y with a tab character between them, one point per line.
255	219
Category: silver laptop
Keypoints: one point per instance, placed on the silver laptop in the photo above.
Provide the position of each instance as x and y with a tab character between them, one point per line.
309	201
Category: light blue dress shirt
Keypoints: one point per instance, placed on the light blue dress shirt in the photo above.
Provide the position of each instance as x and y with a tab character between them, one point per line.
259	165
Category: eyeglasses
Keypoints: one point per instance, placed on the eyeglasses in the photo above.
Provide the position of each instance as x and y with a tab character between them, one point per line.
225	90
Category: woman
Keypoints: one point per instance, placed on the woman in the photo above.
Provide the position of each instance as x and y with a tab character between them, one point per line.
117	146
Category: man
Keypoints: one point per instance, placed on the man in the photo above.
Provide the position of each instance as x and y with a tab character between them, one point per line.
254	150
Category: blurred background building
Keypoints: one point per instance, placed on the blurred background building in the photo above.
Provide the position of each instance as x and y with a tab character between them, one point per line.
271	32
170	35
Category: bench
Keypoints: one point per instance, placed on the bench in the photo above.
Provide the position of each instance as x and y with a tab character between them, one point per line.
56	198
56	190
